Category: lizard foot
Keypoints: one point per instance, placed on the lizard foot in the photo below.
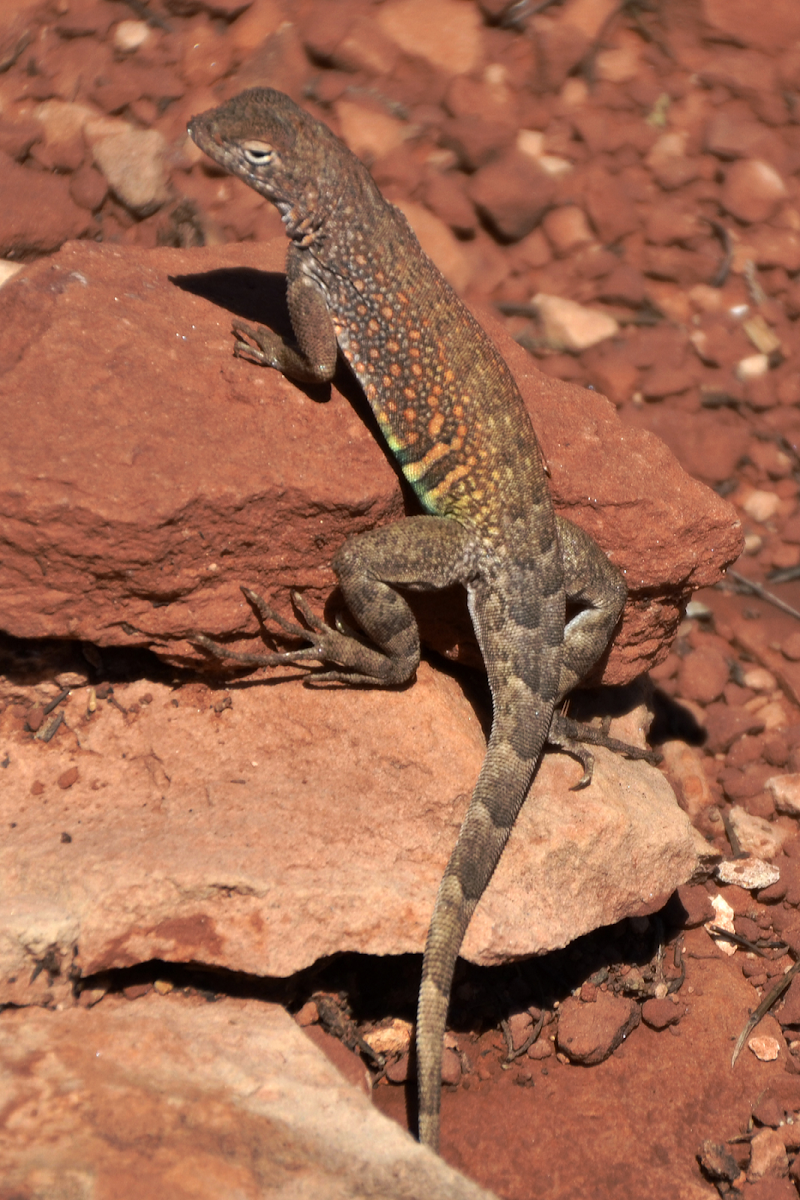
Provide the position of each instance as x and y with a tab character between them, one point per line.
339	645
265	352
573	737
266	613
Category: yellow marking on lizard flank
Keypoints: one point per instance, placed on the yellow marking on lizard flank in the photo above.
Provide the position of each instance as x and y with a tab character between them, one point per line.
410	415
395	369
415	471
435	424
410	393
450	480
387	311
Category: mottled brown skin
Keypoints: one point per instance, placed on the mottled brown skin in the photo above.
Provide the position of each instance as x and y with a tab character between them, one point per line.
360	285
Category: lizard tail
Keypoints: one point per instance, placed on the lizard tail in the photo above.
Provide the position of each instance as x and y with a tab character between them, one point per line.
499	794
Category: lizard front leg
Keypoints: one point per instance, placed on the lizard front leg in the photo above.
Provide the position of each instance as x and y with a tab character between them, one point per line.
313	358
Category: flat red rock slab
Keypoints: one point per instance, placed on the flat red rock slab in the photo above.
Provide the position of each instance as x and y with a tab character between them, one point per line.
148	473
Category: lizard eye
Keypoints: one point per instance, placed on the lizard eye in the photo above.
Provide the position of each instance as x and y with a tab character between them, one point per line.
258	154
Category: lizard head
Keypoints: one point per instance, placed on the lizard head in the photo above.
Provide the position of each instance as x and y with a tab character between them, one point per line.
264	138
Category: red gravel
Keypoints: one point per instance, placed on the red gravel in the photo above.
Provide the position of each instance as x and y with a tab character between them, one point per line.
646	163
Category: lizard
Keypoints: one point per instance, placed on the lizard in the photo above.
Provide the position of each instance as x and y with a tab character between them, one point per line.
360	287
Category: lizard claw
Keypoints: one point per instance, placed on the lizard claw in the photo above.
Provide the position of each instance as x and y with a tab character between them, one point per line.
262	352
278	658
572	736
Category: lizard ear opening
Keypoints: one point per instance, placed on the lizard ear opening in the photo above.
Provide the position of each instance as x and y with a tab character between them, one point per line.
258	154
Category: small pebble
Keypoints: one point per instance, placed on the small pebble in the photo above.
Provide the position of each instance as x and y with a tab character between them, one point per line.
748	873
397	1071
785	791
391	1039
130	35
308	1014
752	367
658	1014
768	1158
790	647
541	1049
761	506
759	679
766	1049
451	1067
723	919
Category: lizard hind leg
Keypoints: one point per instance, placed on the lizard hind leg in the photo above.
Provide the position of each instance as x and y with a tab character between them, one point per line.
595	584
591	581
419	554
359	661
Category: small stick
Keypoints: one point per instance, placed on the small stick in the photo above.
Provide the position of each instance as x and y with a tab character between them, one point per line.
766	1004
760	591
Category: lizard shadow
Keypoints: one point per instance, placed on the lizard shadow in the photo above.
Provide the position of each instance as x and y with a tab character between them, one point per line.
251	295
260	297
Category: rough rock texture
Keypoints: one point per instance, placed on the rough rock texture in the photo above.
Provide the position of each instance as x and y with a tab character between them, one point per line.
642	152
301	823
174	1097
589	1033
194	472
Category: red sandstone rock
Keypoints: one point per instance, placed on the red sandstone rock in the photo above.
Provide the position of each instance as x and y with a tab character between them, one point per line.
288	824
142	531
658	1014
609	207
175	1096
768	1159
753	190
684	765
781	1097
752	23
37	213
702	675
447	34
589	1033
512	193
